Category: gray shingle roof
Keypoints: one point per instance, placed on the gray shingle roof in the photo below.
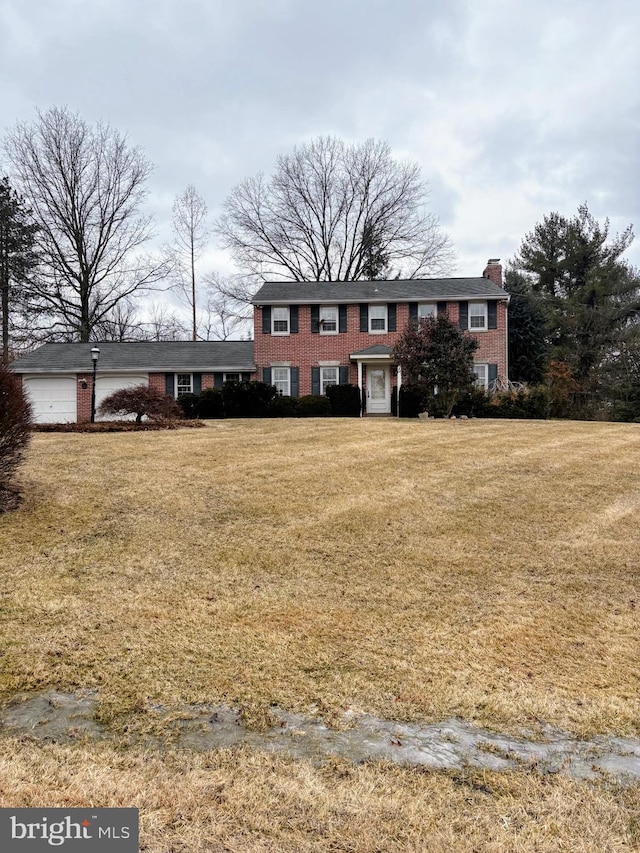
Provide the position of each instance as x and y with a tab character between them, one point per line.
376	349
160	356
413	290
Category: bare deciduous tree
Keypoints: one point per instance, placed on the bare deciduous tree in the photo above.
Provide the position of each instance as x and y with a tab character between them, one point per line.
335	212
86	186
190	238
225	315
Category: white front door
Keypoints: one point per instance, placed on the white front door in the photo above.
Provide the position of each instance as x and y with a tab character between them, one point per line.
378	387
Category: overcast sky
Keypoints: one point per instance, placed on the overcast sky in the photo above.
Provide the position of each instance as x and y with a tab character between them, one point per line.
513	109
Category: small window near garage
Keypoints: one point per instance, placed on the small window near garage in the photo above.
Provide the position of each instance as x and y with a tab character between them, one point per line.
281	378
280	321
184	383
482	375
377	318
328	376
231	377
478	316
329	320
427	309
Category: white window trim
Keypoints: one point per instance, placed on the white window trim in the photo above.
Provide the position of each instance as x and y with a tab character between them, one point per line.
176	393
324	331
485	325
280	319
433	306
386	320
281	381
323	382
478	383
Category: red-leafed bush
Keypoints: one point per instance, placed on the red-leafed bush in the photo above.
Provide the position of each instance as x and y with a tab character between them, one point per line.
15	431
141	401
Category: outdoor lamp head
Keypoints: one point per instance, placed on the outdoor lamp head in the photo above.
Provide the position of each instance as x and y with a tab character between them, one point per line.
95	352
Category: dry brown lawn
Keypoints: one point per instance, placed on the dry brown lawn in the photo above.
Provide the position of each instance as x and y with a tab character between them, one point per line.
482	569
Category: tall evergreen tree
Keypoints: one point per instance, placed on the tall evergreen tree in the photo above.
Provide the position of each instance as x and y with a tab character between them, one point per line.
587	291
17	259
528	345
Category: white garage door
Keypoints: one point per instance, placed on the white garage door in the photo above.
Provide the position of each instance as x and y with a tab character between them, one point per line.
53	398
106	385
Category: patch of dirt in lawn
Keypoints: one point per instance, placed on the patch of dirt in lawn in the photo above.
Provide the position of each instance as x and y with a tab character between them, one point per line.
10	499
452	744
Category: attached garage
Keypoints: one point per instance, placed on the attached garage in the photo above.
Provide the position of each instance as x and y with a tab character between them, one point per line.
54	398
106	385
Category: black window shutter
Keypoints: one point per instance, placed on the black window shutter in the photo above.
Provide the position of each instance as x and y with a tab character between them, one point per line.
493	372
343	376
315	380
197	383
342	318
413	310
315	319
295	381
168	384
266	319
293	319
266	375
364	318
442	308
463	307
492	314
217	380
391	317
246	377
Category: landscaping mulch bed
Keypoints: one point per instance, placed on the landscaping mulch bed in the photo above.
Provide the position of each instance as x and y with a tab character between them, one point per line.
118	426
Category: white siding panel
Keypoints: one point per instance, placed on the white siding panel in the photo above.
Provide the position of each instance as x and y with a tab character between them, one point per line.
53	398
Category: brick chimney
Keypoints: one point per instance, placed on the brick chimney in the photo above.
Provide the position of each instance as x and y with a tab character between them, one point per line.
493	271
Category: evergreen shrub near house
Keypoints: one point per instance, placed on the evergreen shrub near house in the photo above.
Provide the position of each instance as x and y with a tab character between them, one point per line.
211	404
314	406
190	405
15	427
344	400
283	407
411	401
247	399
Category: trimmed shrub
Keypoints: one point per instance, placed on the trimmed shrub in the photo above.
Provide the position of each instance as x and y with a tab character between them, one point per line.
344	401
411	402
532	403
283	407
211	405
141	401
474	403
190	405
15	426
247	399
314	406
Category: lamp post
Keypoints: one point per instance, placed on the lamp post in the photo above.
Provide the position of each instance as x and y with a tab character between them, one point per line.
95	353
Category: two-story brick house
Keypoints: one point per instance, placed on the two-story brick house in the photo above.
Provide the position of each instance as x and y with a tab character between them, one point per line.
308	335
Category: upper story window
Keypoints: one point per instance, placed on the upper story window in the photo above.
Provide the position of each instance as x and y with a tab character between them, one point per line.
281	378
377	318
427	309
280	321
328	320
478	316
184	383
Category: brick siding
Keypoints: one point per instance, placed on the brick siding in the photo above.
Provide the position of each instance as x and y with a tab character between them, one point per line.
305	348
